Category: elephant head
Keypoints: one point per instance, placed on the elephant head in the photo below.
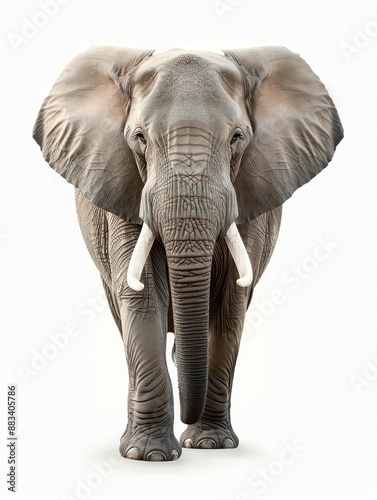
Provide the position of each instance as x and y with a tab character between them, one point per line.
188	144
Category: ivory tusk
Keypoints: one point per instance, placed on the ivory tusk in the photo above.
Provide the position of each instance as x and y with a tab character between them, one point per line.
240	256
139	257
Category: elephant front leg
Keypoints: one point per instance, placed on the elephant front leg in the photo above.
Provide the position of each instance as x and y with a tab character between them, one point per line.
214	429
149	432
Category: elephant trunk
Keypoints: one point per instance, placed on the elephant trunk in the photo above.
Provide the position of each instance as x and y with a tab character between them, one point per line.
190	281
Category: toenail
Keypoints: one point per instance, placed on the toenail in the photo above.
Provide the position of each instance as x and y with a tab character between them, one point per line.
188	443
133	453
207	443
156	456
228	443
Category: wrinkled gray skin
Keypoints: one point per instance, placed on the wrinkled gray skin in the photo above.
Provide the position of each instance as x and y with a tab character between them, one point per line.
185	143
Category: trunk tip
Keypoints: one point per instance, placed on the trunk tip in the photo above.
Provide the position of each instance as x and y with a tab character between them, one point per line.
190	417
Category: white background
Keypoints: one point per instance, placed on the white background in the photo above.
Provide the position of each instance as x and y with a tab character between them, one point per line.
298	359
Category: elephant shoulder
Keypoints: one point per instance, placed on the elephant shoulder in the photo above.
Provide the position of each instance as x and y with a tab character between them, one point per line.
93	223
260	236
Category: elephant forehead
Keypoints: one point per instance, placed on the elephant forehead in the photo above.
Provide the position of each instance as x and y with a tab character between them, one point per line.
181	72
188	87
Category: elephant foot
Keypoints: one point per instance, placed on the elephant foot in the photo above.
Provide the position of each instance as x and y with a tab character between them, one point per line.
150	443
209	435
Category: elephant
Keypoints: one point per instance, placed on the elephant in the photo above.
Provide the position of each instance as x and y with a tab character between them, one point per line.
181	161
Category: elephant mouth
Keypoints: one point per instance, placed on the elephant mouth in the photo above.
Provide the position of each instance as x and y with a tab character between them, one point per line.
145	242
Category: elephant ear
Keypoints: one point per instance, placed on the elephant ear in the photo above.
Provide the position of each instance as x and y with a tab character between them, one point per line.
296	128
80	129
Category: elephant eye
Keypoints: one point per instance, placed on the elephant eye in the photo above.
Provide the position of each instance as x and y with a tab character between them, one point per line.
238	135
140	137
